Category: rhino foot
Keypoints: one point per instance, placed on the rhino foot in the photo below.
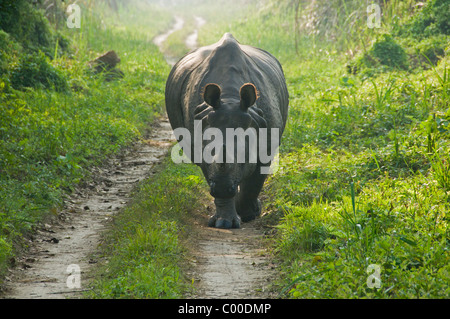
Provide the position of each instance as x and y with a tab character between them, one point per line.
226	216
223	223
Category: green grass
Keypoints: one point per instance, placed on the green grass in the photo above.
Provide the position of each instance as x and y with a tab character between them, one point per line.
175	44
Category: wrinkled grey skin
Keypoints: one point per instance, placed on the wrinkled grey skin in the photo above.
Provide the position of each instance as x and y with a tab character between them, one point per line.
229	85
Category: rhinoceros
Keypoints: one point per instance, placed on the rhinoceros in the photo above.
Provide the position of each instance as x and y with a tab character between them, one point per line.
225	86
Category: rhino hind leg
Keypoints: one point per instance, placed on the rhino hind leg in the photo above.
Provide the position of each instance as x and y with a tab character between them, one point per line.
248	210
248	206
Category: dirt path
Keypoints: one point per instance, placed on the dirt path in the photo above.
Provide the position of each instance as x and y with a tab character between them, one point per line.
66	246
227	263
191	40
160	39
232	264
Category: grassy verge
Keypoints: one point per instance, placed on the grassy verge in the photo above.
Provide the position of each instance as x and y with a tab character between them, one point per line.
58	119
146	246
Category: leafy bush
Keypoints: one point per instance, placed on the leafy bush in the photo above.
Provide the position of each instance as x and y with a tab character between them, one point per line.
26	36
428	51
384	52
35	71
433	19
388	52
9	51
29	27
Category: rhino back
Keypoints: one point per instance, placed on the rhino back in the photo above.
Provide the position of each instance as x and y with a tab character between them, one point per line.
230	65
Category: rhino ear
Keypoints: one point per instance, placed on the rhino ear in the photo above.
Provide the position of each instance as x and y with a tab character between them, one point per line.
248	95
211	95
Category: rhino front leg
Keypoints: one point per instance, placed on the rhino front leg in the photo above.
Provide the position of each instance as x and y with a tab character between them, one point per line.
226	215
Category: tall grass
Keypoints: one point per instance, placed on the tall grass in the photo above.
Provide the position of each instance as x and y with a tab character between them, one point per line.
343	23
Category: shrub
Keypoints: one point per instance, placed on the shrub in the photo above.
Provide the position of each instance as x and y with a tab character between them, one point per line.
386	51
9	50
431	50
34	71
433	19
29	27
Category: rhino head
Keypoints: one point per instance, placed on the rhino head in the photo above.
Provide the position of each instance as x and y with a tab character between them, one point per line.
230	155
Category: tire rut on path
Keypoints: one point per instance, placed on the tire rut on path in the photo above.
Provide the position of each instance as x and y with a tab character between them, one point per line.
232	264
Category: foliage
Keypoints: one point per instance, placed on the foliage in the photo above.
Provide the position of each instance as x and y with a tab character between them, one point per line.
29	27
431	20
9	50
385	51
35	71
426	52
